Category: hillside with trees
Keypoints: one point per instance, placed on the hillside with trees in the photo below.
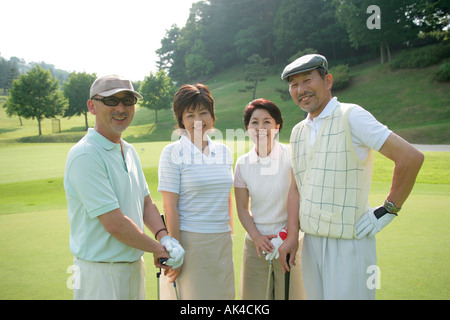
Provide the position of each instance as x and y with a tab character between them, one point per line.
239	48
223	33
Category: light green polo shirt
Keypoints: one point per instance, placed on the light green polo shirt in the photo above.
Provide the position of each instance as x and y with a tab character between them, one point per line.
98	179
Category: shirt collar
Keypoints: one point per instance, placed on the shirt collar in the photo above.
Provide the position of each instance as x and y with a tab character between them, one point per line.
274	153
187	143
101	140
328	110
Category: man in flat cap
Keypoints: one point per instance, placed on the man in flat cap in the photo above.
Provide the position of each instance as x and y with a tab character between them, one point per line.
332	163
109	202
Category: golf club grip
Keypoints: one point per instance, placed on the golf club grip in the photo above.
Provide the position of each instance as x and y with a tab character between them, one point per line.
163	260
287	279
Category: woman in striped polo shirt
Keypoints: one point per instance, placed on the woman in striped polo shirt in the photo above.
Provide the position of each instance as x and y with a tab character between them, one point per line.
195	180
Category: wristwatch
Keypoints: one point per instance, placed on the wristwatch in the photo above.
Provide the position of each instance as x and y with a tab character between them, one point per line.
390	207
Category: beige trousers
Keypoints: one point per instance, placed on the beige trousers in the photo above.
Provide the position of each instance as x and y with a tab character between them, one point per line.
208	269
108	281
254	276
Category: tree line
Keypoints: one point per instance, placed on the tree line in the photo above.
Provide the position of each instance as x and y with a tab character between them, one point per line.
38	95
12	68
257	34
222	33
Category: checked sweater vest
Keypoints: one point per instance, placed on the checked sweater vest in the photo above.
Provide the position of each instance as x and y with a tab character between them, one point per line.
334	183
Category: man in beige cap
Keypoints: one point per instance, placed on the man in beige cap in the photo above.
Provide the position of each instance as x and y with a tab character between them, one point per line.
332	162
109	202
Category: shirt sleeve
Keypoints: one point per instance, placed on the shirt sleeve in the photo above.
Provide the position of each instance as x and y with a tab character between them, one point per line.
89	180
238	181
366	130
169	173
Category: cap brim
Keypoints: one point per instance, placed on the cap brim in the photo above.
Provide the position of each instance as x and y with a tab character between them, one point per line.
285	77
114	91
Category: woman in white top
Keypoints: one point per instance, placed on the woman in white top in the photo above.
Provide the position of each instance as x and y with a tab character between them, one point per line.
263	175
195	180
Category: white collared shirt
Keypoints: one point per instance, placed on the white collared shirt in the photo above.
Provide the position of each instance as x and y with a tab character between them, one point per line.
366	132
203	183
267	180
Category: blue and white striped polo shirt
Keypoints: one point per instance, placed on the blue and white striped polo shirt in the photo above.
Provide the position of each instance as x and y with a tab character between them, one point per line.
202	182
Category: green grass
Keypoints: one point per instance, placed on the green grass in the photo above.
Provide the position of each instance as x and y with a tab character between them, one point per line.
35	255
434	169
34	231
409	102
413	250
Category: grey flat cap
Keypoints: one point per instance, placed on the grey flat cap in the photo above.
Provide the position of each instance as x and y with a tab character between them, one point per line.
303	64
109	85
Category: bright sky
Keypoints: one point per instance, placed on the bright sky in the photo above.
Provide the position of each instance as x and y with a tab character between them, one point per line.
101	36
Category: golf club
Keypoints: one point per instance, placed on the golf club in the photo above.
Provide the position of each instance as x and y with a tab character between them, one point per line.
287	278
163	261
158	275
269	276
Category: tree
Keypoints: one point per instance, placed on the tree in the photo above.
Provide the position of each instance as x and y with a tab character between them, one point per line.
12	75
377	23
157	91
247	42
433	17
8	72
256	33
76	90
170	58
184	52
196	64
301	24
4	69
192	41
36	95
255	70
222	25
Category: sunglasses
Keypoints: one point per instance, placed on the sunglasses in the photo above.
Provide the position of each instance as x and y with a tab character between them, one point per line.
114	101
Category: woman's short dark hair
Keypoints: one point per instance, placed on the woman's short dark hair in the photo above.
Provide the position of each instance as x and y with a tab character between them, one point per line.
192	97
265	104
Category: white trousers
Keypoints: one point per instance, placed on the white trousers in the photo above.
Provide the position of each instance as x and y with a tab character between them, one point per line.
339	269
109	281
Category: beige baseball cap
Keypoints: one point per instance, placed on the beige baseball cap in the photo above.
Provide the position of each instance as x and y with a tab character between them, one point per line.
111	84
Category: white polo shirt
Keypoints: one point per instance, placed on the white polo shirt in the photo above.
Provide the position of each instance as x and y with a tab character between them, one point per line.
202	182
267	180
98	179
